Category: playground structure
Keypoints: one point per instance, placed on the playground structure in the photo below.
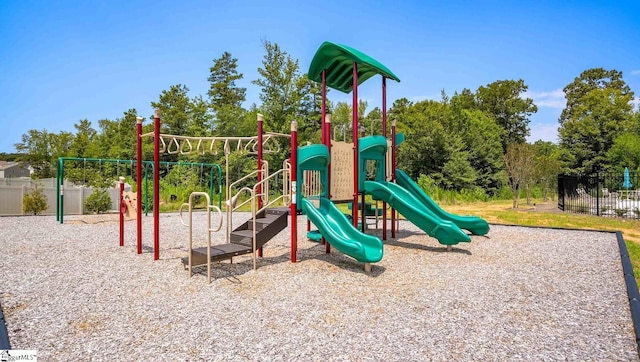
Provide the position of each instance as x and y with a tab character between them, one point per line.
213	170
314	178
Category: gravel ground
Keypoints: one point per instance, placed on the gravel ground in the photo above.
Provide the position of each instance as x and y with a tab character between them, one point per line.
72	293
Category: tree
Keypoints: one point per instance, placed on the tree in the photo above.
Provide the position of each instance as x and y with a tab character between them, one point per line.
223	90
518	162
175	106
310	110
201	118
85	142
225	97
41	149
503	100
598	110
625	152
341	120
482	137
117	139
589	80
373	122
547	166
600	117
281	90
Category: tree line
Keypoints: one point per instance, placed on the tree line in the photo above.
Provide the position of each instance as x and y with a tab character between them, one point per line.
471	141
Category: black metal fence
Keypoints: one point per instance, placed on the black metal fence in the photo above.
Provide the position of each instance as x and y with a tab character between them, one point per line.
600	194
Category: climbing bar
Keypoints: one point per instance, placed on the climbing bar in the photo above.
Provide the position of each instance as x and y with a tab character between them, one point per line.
184	145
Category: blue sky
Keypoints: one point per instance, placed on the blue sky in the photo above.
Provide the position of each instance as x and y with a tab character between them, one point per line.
63	61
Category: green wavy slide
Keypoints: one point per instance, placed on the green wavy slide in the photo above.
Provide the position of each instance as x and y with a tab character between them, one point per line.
403	201
340	233
474	224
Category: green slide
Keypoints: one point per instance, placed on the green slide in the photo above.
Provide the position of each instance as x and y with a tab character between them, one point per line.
340	233
400	199
475	225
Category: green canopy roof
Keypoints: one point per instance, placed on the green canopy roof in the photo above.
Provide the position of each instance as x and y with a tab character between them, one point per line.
338	61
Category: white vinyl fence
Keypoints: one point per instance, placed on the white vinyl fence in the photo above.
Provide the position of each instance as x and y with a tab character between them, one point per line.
12	191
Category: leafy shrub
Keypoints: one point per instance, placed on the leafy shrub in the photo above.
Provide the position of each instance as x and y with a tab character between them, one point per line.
99	201
620	212
35	201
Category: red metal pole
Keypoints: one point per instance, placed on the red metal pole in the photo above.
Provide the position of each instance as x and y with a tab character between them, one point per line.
139	183
393	174
260	132
323	108
354	135
156	185
384	133
327	121
294	170
363	216
122	210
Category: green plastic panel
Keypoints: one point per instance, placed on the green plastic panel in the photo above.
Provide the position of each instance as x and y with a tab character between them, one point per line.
340	233
474	224
338	61
446	232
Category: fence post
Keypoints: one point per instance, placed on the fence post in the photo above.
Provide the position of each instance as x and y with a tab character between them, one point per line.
81	201
24	189
598	194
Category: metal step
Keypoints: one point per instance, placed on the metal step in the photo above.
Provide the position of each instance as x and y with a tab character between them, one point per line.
218	252
268	224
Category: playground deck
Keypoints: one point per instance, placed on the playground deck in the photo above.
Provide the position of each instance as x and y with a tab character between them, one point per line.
521	294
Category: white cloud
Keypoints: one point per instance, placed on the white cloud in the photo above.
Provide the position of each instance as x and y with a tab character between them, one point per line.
553	99
635	72
636	102
543	131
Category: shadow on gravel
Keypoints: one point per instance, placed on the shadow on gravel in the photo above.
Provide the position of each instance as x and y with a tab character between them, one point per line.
341	261
231	271
433	249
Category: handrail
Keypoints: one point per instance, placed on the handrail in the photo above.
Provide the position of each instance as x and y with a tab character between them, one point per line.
253	173
284	173
209	229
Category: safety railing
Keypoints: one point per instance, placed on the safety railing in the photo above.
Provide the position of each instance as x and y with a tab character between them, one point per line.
259	190
209	208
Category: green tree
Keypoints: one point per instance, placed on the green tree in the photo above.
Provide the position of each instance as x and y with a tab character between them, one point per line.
175	107
600	117
504	102
225	96
589	80
341	121
41	149
117	139
372	122
519	165
625	152
201	118
223	90
310	110
281	90
482	137
85	142
548	165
